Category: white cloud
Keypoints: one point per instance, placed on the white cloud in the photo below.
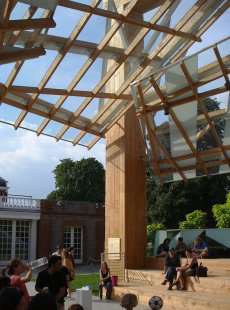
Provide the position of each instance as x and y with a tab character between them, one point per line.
27	161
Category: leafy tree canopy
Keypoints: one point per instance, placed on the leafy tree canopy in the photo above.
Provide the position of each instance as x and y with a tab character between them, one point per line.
222	213
196	219
169	204
82	180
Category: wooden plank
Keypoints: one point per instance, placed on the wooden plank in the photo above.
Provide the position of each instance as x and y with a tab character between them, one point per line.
24	24
21	54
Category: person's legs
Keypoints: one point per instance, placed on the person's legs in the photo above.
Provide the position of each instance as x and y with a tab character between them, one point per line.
100	290
109	290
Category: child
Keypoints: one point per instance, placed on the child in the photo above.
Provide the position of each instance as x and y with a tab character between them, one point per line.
15	269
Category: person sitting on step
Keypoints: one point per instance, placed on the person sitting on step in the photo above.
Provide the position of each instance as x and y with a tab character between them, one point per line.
180	247
200	248
106	281
172	261
163	248
189	269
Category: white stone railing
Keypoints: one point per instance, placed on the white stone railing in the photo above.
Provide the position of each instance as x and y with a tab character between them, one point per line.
19	202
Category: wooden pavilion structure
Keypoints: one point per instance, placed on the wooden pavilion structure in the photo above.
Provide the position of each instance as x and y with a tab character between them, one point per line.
71	81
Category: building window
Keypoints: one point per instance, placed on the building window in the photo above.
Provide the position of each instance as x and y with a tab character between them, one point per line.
5	239
73	236
22	239
14	239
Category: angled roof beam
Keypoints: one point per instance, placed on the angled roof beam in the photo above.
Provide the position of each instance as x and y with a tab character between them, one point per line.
39	112
222	66
17	54
48	5
151	135
203	109
212	92
64	92
25	24
127	19
55	43
6	7
178	124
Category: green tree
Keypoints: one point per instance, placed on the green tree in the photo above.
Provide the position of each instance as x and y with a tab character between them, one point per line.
222	213
82	180
169	204
196	219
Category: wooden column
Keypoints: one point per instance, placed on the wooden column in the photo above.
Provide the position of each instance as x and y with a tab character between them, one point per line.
125	203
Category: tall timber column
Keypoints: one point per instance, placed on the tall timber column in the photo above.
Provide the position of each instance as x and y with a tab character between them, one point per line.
125	211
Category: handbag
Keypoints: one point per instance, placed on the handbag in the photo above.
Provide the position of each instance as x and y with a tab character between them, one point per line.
201	271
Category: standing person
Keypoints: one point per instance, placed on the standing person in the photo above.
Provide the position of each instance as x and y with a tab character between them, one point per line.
66	262
15	270
189	269
53	280
129	301
163	248
106	281
172	261
71	255
180	247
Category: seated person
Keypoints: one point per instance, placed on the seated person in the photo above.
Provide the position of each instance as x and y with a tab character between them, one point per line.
163	248
189	269
200	248
180	247
172	261
106	281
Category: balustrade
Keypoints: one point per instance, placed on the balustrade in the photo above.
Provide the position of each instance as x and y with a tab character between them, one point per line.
19	202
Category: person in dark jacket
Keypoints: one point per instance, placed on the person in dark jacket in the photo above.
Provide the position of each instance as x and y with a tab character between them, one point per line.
172	261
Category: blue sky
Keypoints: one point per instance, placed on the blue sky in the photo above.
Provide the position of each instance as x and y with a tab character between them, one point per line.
27	161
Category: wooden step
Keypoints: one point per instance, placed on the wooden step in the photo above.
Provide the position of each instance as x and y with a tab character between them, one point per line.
213	284
211	293
178	300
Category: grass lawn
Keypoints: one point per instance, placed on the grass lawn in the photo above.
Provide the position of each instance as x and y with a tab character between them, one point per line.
87	279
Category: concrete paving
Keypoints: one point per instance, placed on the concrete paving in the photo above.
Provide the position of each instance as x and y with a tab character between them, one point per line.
97	304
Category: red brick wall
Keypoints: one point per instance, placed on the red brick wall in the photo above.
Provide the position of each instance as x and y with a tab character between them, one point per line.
90	216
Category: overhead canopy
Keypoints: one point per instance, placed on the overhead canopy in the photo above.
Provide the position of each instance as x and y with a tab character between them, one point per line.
191	137
54	80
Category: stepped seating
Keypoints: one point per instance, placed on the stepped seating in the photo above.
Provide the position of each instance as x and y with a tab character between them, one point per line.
213	292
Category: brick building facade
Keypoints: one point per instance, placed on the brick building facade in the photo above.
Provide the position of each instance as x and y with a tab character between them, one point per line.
32	228
66	223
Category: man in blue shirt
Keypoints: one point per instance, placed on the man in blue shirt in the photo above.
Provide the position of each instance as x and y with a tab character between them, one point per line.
200	248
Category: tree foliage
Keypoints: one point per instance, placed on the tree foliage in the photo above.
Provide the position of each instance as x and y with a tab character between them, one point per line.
222	213
195	219
82	180
151	229
169	204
